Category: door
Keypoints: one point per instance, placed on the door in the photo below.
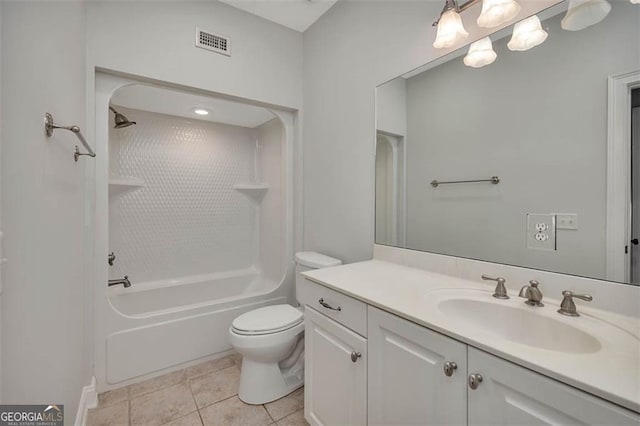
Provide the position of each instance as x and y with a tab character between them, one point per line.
635	187
407	381
335	373
513	395
386	192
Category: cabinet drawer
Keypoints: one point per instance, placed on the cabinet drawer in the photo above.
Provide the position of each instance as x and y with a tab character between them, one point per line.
344	309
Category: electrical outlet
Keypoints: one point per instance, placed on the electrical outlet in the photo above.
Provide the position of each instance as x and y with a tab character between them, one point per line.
541	231
567	221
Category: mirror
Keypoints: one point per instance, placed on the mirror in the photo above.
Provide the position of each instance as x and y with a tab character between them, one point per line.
535	129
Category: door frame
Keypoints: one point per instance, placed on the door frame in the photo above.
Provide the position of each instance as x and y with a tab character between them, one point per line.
619	174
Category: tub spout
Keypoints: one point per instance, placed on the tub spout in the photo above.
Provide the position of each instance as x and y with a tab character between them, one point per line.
124	281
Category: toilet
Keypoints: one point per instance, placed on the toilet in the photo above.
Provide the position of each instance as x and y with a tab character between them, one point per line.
271	342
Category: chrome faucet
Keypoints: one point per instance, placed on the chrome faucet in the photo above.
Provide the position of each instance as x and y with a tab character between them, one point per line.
124	281
568	306
532	293
501	291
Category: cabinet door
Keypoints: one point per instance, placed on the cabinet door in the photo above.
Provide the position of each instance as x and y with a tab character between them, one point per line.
513	395
407	382
335	390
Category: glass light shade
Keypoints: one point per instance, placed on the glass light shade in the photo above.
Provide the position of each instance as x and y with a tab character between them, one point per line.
584	13
496	12
635	1
450	30
527	34
480	54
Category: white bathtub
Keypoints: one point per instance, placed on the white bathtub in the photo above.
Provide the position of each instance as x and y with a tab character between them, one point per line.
156	326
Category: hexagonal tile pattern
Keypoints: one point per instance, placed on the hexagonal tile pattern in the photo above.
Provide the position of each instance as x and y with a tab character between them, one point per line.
187	219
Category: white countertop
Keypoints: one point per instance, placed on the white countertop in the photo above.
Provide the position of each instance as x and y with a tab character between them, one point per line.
613	372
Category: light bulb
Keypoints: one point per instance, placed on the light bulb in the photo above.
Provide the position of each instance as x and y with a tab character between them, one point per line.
201	111
496	12
450	30
480	54
584	13
527	34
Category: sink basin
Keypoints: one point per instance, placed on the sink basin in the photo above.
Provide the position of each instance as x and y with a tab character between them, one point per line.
513	321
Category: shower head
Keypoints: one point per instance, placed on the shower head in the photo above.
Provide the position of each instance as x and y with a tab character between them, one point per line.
120	120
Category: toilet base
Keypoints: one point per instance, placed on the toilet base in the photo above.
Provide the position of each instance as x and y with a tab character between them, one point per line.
265	382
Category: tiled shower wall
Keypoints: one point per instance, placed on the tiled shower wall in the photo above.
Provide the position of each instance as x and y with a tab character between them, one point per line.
187	219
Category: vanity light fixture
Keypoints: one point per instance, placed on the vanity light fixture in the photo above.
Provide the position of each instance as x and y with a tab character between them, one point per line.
200	111
480	53
584	13
527	34
497	12
450	29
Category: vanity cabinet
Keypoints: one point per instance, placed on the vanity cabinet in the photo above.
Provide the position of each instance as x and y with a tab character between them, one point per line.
335	373
408	380
512	395
364	365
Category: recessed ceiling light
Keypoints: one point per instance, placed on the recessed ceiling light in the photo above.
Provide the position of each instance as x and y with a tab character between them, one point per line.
201	111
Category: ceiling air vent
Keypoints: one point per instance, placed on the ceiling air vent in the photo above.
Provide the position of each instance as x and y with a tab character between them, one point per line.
214	42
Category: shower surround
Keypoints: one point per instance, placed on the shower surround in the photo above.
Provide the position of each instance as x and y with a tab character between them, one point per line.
200	220
186	219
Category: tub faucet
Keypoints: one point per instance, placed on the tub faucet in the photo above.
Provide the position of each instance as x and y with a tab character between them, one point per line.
532	293
124	281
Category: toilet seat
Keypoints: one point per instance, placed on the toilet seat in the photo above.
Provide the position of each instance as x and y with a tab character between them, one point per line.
267	320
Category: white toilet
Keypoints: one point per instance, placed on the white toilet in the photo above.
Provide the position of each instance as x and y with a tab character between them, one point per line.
271	342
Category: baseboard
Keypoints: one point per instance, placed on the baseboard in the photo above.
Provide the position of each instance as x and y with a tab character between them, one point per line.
88	400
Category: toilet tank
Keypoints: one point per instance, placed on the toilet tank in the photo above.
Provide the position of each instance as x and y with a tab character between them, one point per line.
308	260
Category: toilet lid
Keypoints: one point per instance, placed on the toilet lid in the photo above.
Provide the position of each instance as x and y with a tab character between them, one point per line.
269	319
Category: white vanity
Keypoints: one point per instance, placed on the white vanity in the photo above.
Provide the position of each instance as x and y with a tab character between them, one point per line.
392	344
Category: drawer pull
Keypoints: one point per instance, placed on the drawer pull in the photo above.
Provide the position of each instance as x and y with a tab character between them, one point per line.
449	367
355	355
328	306
474	380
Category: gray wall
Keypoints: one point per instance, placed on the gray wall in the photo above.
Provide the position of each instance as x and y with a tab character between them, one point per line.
537	119
354	47
155	39
45	358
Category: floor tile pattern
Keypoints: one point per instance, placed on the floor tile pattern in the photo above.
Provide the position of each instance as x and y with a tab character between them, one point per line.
204	394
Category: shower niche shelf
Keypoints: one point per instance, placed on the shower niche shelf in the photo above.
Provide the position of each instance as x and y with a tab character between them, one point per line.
255	191
120	184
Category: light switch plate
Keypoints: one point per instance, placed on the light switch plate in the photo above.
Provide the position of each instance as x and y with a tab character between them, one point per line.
541	231
567	221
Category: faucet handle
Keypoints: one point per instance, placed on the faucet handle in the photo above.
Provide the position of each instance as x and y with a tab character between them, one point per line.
500	291
568	306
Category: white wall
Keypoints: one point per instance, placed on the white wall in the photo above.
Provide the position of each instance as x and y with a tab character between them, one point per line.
270	157
391	112
156	40
350	50
44	355
537	119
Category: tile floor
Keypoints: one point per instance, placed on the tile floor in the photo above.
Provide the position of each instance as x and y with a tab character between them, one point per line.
204	394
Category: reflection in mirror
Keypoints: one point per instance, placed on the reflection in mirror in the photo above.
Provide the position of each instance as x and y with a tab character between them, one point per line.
541	121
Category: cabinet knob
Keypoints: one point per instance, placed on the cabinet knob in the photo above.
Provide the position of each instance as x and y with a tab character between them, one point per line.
355	355
474	380
449	368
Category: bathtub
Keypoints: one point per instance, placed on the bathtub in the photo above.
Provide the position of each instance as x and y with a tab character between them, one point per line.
158	326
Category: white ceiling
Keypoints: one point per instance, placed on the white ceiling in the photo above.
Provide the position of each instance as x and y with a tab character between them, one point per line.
295	14
180	104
